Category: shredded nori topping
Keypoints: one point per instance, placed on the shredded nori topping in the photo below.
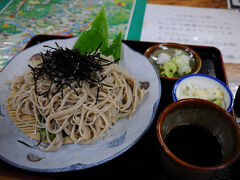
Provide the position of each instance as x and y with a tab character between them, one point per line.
65	66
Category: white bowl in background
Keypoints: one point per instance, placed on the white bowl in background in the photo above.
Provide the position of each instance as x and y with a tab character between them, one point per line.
203	82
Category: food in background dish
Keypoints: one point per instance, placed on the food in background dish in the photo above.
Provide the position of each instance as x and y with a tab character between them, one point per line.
172	62
213	94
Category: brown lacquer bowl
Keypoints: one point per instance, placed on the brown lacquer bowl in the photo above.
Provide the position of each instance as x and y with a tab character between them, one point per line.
205	114
156	51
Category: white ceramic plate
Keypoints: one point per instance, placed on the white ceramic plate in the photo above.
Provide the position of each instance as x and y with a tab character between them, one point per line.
76	156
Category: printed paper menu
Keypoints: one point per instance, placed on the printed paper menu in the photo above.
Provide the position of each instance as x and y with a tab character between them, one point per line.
194	26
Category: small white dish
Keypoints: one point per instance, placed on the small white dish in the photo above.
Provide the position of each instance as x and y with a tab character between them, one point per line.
204	83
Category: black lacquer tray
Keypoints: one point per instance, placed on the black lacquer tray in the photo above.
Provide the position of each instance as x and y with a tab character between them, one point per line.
143	158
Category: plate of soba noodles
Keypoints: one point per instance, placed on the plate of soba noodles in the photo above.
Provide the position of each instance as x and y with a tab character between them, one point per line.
63	111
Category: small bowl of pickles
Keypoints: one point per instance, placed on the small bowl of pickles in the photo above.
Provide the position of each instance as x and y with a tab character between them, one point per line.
202	86
173	61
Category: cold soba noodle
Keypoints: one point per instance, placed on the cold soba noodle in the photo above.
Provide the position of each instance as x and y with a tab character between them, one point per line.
80	107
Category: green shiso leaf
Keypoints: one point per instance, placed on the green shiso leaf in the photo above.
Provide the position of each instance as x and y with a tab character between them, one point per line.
91	38
115	48
98	33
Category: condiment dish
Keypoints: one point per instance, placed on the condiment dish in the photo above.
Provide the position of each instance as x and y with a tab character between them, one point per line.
204	87
172	60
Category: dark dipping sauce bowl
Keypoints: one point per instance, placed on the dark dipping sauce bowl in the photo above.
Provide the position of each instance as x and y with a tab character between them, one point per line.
154	51
208	131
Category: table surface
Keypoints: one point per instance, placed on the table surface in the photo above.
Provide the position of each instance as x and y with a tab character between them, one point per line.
231	69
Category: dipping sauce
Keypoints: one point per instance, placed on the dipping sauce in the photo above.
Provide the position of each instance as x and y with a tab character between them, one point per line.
172	62
195	145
